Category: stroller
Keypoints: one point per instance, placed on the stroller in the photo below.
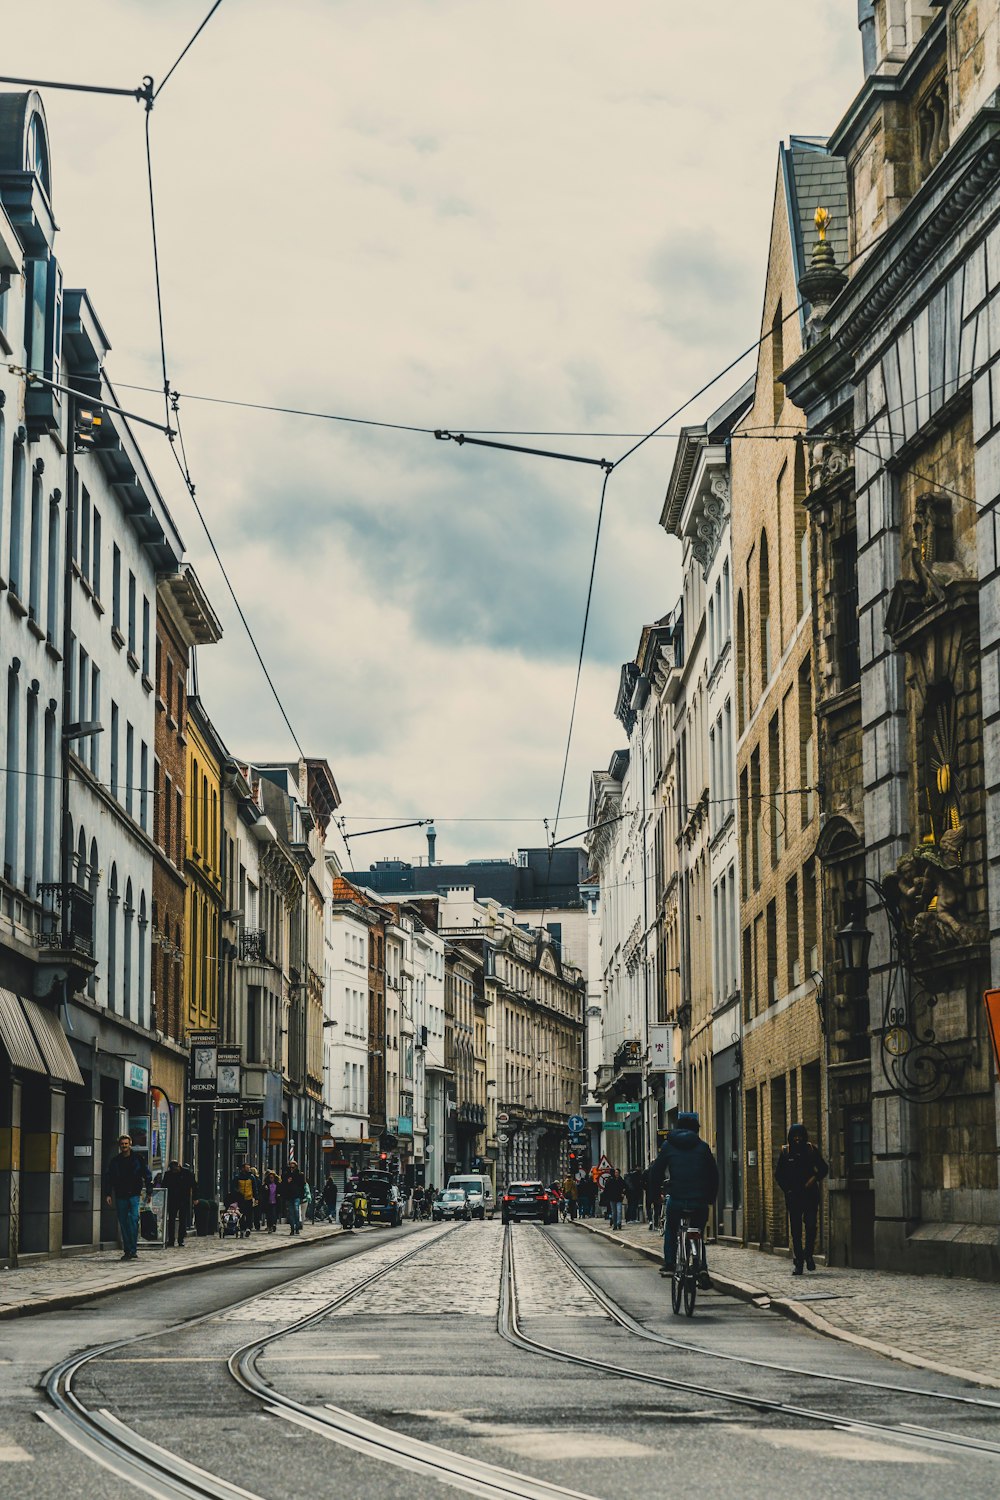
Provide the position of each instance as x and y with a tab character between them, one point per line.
232	1223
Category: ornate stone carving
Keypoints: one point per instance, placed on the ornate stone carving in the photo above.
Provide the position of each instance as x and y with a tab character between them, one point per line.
927	889
712	521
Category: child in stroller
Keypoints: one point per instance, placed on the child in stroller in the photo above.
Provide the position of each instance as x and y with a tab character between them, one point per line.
232	1223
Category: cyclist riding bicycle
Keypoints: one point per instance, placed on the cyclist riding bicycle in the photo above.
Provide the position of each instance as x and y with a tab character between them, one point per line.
692	1185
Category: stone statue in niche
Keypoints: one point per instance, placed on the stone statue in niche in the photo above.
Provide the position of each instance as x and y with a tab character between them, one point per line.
927	889
933	550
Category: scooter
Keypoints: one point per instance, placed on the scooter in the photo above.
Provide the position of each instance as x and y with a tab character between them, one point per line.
346	1214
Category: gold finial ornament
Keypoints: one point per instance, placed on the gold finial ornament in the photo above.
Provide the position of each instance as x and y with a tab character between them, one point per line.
822	221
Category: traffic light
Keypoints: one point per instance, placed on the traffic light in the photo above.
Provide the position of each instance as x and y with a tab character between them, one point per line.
88	427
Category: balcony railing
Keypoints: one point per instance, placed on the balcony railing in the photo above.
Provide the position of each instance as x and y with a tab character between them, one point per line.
253	945
628	1058
66	921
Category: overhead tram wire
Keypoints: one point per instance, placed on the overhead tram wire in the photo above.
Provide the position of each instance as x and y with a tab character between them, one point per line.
184	52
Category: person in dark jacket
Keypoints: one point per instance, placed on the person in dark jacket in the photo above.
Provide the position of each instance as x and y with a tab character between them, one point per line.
244	1191
293	1190
800	1171
688	1170
126	1180
633	1196
614	1193
178	1183
330	1196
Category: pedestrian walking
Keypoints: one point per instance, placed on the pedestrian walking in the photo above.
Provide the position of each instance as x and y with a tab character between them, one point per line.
569	1193
258	1209
800	1171
293	1190
330	1196
633	1195
614	1194
243	1192
270	1200
126	1182
179	1185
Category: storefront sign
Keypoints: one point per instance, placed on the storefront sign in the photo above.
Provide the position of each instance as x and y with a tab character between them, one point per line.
204	1065
227	1077
137	1078
661	1048
404	1125
253	1109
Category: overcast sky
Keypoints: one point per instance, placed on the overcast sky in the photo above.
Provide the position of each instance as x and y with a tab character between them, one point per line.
537	214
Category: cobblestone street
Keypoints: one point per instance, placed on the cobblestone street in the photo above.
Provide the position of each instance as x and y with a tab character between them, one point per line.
932	1321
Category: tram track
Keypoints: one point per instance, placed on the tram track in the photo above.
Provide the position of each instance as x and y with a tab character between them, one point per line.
509	1328
625	1320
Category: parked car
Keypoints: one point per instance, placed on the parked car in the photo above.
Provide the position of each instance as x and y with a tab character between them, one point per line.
479	1189
453	1203
385	1202
528	1200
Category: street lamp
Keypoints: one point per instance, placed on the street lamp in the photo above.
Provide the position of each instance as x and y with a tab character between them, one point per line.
854	940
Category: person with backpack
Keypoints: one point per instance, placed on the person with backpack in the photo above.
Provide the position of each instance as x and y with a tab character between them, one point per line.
800	1171
688	1169
243	1192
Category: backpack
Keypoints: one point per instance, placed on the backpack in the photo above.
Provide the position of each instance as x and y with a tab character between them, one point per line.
244	1186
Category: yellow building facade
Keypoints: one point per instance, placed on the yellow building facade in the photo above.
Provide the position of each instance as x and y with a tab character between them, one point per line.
203	871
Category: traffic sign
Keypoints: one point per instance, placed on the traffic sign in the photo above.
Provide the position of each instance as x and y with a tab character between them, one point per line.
578	1140
575	1124
274	1132
502	1138
629	1108
502	1119
614	1124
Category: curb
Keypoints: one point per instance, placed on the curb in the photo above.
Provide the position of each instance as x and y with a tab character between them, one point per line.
798	1312
62	1300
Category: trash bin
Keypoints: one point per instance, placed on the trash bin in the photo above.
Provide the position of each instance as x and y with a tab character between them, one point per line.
206	1216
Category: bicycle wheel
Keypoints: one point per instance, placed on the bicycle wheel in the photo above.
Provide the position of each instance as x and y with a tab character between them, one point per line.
691	1269
676	1287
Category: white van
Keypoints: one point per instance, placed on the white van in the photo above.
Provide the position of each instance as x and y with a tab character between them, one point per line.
479	1190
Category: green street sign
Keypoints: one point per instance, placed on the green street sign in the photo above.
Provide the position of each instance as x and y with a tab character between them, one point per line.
627	1109
243	1135
614	1125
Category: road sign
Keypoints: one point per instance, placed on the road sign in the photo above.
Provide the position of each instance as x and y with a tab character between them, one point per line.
604	1166
629	1108
614	1124
575	1124
274	1132
578	1140
502	1119
503	1139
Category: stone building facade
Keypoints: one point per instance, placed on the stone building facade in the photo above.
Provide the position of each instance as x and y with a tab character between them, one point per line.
778	813
898	384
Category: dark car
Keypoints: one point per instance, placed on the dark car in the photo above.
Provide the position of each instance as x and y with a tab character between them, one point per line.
528	1200
385	1203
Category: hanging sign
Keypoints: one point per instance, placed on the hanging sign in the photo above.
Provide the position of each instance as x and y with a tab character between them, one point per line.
204	1064
227	1078
992	1002
661	1048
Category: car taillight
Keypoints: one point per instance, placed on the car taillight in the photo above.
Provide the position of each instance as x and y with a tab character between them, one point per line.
543	1198
508	1197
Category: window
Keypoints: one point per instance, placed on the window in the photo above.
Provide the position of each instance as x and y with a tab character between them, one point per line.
143	784
131	612
35	551
86	523
742	667
83	702
129	766
168	696
116	588
809	916
114	749
772	952
776	816
802	586
807	744
777	362
31	793
766	662
167	816
711	632
748	975
95	714
145	637
95	559
113	938
757	817
178	827
16	543
847	637
54	575
792	955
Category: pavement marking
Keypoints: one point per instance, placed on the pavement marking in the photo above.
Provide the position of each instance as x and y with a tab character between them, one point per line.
12	1453
330	1354
840	1445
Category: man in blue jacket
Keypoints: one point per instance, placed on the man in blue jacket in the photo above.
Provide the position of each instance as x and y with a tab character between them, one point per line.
125	1181
692	1184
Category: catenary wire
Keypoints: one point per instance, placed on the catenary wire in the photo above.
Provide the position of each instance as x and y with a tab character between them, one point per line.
177	62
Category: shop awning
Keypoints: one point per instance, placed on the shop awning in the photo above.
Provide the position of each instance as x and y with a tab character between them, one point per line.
16	1035
53	1043
34	1039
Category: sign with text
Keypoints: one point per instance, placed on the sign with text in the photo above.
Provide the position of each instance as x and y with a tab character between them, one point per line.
227	1077
629	1107
204	1065
992	1002
661	1048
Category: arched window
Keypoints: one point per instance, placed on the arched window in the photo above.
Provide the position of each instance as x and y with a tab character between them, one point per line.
14	552
766	661
742	665
50	844
37	153
35	550
127	937
113	938
31	792
12	763
178	971
95	875
142	1004
81	858
54	576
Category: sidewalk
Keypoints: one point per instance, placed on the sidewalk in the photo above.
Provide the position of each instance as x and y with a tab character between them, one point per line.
931	1322
50	1284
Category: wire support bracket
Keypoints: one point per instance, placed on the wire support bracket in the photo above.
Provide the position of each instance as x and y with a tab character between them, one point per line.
444	436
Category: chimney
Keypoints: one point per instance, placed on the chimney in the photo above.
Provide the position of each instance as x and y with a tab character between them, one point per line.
431	841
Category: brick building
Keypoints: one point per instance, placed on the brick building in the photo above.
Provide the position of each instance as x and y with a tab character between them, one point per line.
776	754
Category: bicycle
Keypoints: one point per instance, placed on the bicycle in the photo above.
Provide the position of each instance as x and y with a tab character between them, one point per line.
687	1266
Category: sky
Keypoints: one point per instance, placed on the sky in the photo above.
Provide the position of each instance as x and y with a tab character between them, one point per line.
540	215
